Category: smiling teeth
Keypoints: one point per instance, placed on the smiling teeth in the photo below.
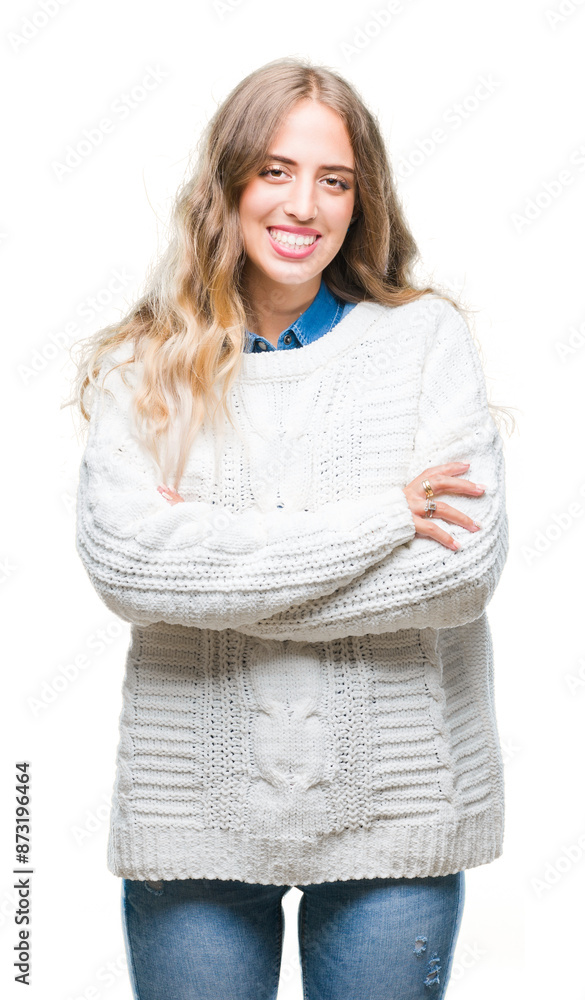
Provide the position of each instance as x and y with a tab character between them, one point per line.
291	238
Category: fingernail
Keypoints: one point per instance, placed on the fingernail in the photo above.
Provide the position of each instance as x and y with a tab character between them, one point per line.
455	546
480	486
476	526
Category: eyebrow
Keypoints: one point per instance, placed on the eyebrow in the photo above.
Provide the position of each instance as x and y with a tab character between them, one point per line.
293	163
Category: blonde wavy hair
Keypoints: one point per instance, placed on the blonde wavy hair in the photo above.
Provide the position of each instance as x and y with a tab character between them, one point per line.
188	328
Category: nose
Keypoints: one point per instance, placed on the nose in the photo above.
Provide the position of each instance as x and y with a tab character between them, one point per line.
301	204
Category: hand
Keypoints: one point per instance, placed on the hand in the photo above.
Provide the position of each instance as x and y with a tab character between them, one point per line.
443	480
169	494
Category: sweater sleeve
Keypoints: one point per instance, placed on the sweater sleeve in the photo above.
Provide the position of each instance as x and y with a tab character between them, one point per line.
422	583
199	564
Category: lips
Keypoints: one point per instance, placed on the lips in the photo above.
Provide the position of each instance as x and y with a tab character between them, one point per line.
289	251
299	230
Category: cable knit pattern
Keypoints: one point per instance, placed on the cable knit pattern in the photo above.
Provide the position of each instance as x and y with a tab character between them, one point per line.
308	692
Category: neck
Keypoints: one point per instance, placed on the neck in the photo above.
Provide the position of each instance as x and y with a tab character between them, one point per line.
272	306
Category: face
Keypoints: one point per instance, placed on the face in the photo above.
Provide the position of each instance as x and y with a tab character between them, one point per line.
305	189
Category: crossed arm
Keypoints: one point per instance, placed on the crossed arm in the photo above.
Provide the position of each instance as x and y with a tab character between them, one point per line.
352	567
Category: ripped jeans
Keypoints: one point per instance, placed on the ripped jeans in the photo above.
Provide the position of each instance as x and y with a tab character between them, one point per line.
376	939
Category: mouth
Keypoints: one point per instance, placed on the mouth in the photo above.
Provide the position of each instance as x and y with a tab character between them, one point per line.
290	244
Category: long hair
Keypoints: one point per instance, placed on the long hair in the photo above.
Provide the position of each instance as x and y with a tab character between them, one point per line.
188	328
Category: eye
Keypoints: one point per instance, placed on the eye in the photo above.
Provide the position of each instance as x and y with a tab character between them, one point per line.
271	170
336	180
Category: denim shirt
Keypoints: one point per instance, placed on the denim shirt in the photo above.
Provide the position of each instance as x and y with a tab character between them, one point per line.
325	311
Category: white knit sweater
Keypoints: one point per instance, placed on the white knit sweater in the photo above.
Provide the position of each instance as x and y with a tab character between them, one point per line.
308	692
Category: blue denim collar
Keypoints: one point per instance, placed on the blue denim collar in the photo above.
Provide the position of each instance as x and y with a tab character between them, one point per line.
318	319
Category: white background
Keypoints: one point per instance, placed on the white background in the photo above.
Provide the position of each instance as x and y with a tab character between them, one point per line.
492	222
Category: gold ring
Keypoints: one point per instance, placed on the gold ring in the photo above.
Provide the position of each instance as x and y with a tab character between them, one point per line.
427	488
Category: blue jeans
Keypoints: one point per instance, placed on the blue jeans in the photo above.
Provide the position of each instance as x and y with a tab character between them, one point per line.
372	939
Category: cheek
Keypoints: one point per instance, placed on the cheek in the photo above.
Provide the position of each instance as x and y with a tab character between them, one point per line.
339	218
255	202
339	228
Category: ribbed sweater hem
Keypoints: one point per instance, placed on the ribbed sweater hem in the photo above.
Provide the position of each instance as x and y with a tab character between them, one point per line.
387	850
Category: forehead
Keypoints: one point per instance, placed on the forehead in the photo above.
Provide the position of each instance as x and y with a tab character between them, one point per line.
317	131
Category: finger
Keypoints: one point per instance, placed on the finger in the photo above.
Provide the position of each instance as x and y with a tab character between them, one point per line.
167	493
449	484
429	529
452	515
447	469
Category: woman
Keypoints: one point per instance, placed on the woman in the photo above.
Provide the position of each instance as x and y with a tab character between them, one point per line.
308	697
